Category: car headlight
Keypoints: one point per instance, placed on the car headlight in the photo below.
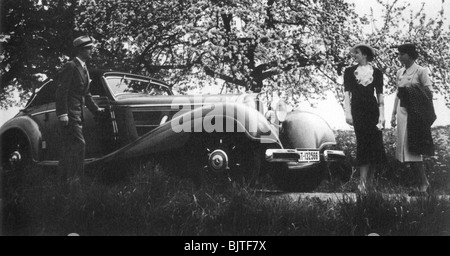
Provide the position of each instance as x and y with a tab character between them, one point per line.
249	101
281	110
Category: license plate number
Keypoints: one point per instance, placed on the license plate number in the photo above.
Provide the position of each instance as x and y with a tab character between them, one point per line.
309	156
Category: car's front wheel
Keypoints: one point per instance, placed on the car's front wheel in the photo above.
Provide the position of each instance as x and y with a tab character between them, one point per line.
16	158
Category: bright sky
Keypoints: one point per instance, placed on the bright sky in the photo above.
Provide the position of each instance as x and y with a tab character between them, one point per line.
431	8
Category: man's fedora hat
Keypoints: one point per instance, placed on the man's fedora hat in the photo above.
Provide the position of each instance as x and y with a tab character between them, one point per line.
83	41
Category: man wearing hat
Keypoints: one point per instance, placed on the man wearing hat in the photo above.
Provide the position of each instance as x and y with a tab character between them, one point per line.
72	94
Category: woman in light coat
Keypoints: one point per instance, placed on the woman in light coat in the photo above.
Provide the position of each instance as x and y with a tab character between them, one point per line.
411	75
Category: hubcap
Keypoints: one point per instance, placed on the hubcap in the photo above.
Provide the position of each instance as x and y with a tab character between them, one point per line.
218	160
15	159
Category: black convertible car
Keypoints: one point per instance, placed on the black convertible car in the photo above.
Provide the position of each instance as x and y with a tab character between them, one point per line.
220	135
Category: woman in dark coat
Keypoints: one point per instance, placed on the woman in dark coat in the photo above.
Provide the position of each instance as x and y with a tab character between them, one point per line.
365	112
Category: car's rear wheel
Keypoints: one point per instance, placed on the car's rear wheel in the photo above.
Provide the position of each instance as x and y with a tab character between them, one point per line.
222	159
301	180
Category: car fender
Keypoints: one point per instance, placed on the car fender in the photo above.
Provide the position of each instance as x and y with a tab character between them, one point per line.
229	117
29	128
303	129
175	133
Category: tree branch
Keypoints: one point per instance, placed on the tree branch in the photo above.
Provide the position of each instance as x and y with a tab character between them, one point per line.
224	77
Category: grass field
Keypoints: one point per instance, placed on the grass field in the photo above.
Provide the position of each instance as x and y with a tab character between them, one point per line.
151	202
396	177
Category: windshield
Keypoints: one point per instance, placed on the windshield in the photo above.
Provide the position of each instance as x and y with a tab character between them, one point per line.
126	85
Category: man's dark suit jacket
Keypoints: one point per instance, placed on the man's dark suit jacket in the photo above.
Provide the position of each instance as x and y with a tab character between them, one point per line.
72	92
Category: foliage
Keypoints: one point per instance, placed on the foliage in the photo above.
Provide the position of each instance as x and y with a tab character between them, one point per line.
429	34
34	37
139	36
153	203
395	173
294	48
245	43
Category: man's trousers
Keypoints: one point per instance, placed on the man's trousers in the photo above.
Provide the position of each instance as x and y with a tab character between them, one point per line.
71	160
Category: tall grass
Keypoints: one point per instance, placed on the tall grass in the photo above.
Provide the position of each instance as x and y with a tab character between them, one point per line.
396	177
152	203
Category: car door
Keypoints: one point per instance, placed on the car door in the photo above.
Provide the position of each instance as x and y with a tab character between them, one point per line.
97	129
100	130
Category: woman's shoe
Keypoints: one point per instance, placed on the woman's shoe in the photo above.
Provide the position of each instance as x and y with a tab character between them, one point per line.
362	188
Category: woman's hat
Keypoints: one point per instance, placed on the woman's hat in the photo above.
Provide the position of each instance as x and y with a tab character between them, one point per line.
374	52
408	48
83	41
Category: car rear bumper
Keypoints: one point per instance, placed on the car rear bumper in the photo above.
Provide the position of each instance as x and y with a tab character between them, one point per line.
295	159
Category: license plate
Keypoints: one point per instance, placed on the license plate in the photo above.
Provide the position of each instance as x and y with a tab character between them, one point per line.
308	156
